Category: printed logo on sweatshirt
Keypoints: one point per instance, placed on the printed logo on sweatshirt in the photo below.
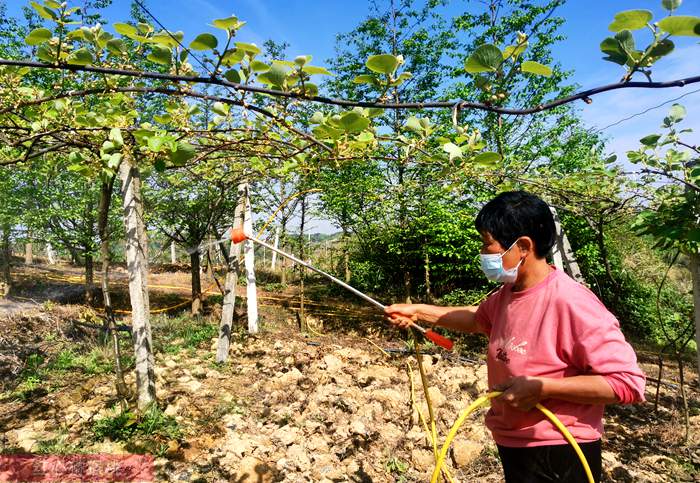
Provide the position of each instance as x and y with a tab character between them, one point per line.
509	346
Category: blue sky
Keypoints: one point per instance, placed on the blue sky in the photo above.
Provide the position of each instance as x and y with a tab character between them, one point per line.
310	27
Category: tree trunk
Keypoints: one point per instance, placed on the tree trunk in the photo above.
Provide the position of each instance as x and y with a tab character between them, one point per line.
428	291
283	260
273	262
173	255
50	254
302	313
196	284
28	253
102	220
695	272
89	278
137	265
232	273
249	252
684	399
346	257
562	253
6	256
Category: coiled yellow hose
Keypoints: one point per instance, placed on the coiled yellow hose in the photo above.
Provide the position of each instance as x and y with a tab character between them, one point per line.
484	400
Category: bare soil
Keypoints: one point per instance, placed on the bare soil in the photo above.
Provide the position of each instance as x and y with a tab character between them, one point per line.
330	406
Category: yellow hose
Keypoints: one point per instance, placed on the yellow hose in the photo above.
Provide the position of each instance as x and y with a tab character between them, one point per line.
485	399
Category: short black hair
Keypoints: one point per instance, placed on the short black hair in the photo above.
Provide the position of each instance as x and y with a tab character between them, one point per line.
513	214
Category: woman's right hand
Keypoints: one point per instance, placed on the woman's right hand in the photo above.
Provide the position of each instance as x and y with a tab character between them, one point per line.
402	315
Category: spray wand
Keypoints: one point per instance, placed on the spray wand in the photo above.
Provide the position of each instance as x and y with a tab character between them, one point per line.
238	235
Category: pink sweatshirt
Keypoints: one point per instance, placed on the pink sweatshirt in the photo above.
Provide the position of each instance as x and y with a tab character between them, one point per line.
557	328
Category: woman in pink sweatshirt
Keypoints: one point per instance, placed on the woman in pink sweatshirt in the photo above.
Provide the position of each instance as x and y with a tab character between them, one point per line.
550	340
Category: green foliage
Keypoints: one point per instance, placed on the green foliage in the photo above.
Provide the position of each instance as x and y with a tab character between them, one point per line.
95	362
629	293
621	48
672	218
397	466
148	432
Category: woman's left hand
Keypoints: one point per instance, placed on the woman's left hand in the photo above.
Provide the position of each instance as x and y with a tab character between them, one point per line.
522	392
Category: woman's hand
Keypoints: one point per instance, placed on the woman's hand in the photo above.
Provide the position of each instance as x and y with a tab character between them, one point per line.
522	392
402	315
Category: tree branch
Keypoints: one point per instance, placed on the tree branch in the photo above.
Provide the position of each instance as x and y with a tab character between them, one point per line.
351	103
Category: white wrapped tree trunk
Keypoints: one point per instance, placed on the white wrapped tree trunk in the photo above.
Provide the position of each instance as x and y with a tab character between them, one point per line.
249	252
137	265
173	255
232	273
50	254
276	245
562	253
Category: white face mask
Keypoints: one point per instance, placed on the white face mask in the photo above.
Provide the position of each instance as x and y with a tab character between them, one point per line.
492	266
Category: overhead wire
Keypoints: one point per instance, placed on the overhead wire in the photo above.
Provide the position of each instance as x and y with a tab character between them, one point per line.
641	113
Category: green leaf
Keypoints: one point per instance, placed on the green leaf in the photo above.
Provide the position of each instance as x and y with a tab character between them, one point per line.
38	36
677	113
366	79
52	4
403	77
453	150
220	108
233	75
611	47
160	165
327	132
650	140
317	118
275	76
486	58
116	47
353	122
204	42
44	12
365	137
695	175
630	20
312	69
168	39
536	68
310	89
671	5
259	66
681	25
663	47
514	51
115	135
413	124
382	64
487	158
46	53
160	55
81	34
227	24
248	48
626	41
114	160
232	56
694	235
81	56
182	154
155	143
126	30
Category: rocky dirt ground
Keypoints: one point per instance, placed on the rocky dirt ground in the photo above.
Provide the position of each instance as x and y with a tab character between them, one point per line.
330	407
